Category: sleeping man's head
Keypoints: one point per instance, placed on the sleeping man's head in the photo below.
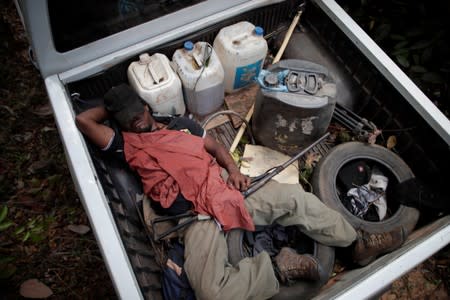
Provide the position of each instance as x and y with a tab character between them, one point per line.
128	109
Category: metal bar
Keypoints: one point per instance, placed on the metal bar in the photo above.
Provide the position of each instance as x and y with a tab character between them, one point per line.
406	87
91	194
175	217
344	116
276	170
173	229
347	111
364	283
344	121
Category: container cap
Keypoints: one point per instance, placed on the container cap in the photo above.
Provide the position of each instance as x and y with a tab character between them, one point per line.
188	45
259	31
144	58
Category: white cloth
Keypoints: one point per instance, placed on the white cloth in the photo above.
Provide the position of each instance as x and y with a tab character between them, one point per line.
371	193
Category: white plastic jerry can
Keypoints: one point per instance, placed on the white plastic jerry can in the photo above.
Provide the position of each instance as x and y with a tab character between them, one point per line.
155	82
241	49
201	75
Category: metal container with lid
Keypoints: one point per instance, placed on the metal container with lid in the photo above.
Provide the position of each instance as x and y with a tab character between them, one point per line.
294	105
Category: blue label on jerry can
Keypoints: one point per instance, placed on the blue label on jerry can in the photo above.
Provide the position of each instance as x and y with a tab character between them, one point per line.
246	74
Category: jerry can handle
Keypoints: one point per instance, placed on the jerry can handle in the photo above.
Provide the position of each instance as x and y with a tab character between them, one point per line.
311	83
293	81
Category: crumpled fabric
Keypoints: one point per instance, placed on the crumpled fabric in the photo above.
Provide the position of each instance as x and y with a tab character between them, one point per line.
170	162
266	240
372	193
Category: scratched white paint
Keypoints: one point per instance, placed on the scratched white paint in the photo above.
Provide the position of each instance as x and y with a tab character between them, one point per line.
281	122
294	125
307	125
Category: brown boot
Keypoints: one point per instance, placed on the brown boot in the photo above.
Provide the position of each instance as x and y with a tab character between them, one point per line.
370	245
292	265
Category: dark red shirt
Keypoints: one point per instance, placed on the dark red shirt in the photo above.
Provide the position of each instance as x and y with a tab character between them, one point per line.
170	162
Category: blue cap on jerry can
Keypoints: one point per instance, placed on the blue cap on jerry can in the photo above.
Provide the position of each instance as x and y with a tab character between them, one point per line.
259	30
188	45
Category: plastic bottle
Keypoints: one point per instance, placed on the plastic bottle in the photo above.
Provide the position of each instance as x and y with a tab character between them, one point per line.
241	49
156	83
201	75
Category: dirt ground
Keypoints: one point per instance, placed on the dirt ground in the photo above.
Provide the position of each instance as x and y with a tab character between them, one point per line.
44	231
46	238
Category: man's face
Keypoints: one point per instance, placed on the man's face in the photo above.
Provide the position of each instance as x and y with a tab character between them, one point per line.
142	122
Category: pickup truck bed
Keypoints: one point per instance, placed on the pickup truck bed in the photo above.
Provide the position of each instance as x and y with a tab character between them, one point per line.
372	86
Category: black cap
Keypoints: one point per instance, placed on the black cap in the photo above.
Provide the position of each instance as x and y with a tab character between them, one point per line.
124	104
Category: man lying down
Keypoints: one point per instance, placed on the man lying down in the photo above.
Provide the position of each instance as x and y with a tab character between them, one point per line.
180	168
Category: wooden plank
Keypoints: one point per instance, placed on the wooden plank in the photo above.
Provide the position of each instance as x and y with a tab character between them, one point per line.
259	159
217	121
240	102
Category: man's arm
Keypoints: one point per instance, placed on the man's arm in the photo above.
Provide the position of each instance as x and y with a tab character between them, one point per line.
90	122
225	160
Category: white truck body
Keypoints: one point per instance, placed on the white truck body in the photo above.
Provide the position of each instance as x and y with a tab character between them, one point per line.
62	68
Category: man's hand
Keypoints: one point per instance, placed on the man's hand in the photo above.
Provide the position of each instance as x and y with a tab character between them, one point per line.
238	181
223	157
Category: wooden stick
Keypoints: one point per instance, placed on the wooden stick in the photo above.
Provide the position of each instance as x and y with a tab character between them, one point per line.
280	52
287	37
242	129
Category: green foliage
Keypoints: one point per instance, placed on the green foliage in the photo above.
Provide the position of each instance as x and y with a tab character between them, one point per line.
236	155
343	136
7	268
306	173
5	223
416	35
35	230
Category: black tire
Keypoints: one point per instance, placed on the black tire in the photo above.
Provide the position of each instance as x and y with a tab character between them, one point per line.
298	290
325	185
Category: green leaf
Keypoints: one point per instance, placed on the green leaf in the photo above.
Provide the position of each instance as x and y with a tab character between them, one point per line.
244	140
6	259
34	182
401	45
26	236
400	51
417	69
38	228
382	32
34	191
236	157
6	225
432	77
19	230
416	59
403	60
3	213
421	45
7	271
31	223
415	32
54	179
34	237
49	220
397	37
